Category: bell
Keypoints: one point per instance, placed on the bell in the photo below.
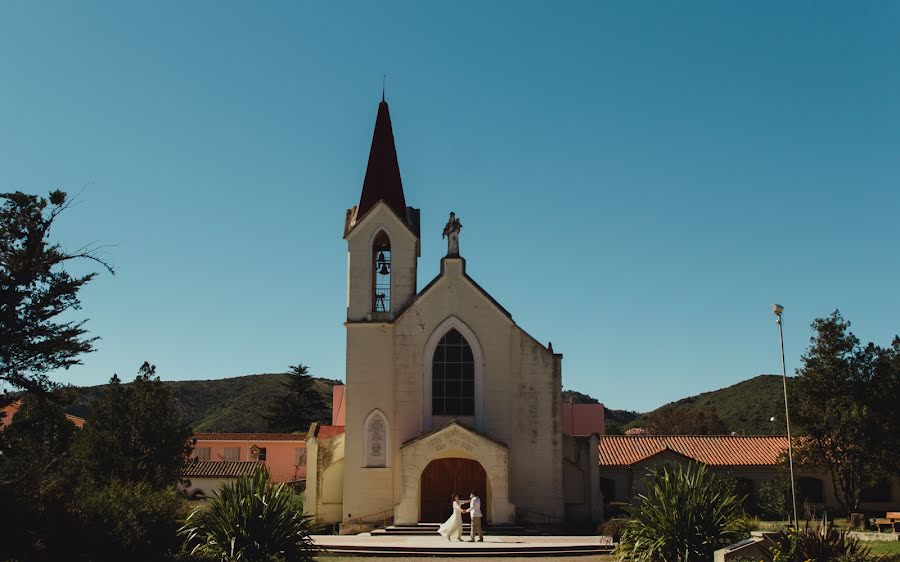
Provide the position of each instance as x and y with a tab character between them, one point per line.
380	257
384	269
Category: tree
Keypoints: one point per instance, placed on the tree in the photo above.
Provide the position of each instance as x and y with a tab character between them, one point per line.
36	481
845	398
300	406
134	433
685	514
681	420
35	290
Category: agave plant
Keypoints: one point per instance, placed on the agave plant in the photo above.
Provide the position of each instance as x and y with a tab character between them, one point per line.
823	545
686	514
251	520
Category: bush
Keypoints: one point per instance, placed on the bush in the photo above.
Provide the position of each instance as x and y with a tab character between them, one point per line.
132	522
821	545
251	519
613	528
686	514
775	498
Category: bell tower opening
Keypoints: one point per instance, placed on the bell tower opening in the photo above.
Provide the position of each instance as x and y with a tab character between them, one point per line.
381	273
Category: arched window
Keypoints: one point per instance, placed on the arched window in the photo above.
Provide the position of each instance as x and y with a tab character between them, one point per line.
381	273
376	428
453	377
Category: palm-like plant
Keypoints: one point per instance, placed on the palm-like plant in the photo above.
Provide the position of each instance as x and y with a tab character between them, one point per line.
686	514
251	520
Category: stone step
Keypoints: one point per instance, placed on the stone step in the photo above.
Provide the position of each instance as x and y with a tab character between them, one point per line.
432	528
472	551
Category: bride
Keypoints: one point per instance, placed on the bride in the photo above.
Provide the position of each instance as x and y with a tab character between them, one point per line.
453	526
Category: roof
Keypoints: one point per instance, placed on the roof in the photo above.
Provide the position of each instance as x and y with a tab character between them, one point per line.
715	450
12	408
328	431
382	181
220	468
250	436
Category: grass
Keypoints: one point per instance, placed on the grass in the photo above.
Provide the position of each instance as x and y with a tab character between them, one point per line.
881	548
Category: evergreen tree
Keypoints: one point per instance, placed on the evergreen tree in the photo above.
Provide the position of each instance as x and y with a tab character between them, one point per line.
300	406
845	397
134	433
35	290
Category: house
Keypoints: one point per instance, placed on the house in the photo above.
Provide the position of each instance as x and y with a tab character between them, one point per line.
9	412
752	460
204	478
283	454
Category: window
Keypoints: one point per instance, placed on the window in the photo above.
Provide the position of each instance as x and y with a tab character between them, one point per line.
381	273
261	454
201	453
880	492
810	489
300	456
231	454
453	377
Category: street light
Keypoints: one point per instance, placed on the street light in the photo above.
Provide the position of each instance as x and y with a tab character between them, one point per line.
778	309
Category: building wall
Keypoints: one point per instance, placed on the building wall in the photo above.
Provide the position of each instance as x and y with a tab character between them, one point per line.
280	456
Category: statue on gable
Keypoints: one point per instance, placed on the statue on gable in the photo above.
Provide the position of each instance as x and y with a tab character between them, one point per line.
451	233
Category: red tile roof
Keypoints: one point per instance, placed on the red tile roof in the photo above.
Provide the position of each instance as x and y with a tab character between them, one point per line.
250	436
328	431
716	450
195	469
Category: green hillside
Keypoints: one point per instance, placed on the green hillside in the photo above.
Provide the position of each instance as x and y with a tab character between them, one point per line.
238	404
234	404
745	407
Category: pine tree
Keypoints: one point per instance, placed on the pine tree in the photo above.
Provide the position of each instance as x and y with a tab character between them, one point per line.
302	404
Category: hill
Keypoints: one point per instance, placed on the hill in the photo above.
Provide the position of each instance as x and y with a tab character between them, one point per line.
745	407
234	404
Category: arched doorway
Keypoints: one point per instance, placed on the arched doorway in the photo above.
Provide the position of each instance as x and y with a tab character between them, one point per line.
444	477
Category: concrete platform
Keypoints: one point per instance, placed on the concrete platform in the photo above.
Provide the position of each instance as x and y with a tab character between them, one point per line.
493	546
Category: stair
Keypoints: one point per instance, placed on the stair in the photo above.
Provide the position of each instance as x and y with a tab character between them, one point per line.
472	551
432	529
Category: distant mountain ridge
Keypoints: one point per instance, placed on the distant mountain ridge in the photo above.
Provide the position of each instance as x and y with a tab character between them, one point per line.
235	404
745	407
238	404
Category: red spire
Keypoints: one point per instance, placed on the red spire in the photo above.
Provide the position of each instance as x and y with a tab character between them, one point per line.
382	180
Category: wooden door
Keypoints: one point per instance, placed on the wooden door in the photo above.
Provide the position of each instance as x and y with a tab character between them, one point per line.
444	477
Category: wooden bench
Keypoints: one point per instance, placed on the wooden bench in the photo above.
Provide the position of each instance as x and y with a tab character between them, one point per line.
891	520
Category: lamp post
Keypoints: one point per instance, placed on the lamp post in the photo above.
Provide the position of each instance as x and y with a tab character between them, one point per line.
778	310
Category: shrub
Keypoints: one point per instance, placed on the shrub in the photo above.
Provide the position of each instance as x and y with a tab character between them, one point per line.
253	520
124	521
686	514
613	528
821	545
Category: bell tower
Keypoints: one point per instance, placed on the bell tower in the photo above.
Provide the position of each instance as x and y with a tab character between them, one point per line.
382	235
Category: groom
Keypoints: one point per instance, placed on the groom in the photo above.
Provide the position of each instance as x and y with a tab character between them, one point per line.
475	512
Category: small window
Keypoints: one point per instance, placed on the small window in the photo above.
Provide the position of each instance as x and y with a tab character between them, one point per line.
300	456
201	453
381	273
231	454
261	454
880	492
810	489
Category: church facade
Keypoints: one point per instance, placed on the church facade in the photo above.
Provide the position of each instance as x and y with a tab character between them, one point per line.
445	393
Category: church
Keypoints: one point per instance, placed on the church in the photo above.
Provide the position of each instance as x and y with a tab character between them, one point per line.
445	393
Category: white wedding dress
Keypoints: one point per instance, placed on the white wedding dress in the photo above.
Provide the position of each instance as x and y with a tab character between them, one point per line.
453	526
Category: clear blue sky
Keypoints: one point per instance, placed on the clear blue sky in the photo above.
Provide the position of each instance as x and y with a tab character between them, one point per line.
638	181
